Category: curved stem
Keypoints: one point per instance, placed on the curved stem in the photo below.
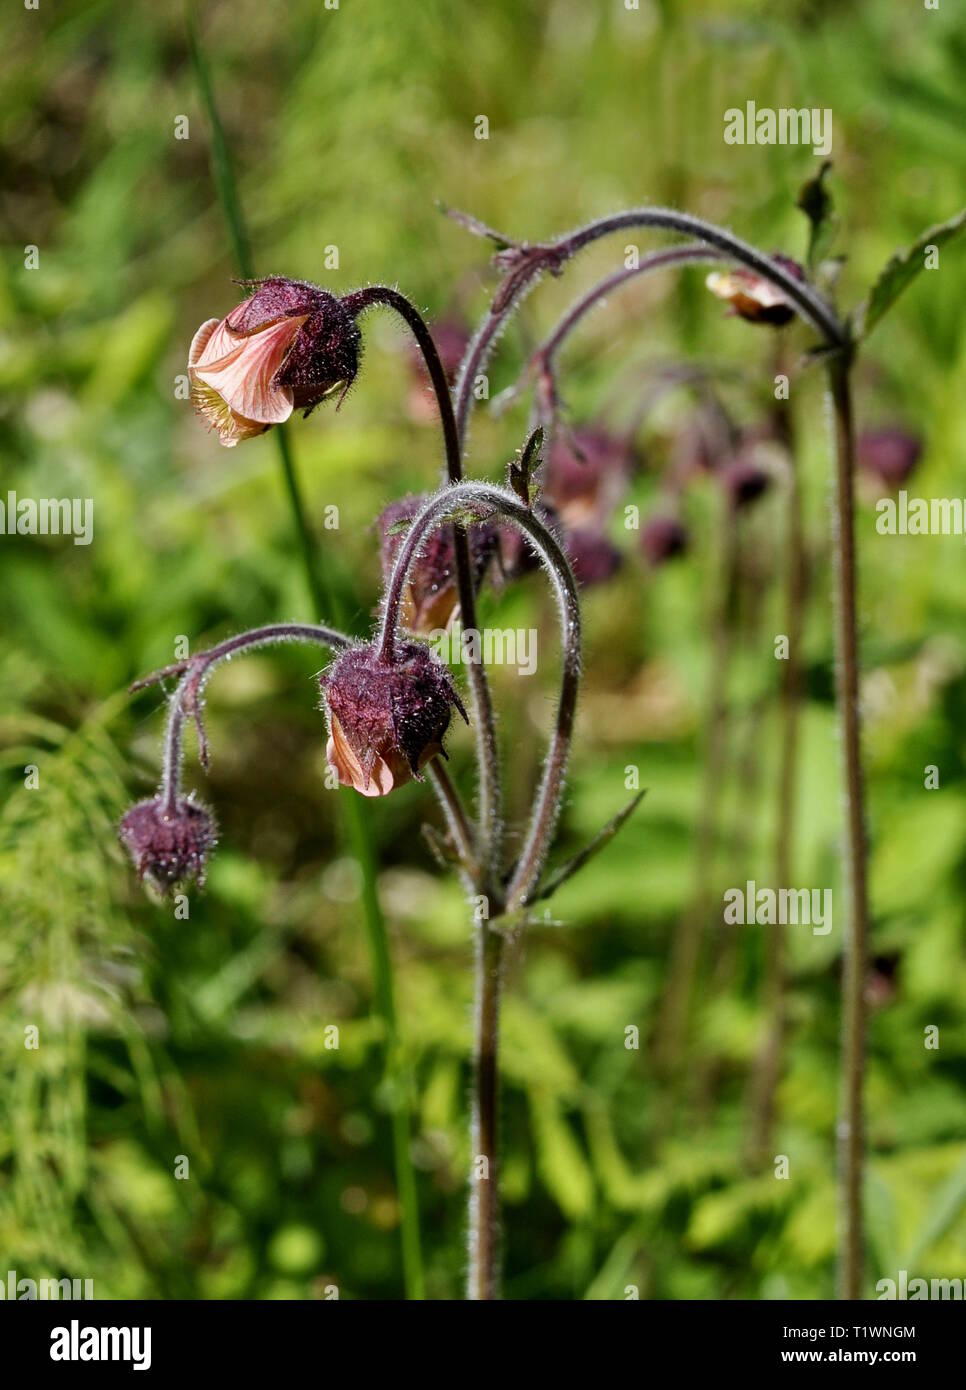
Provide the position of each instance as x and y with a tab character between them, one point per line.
657	260
487	752
455	813
196	671
488	499
850	1126
525	264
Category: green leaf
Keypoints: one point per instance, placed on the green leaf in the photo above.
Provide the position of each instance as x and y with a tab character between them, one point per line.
942	1214
900	271
602	838
560	1159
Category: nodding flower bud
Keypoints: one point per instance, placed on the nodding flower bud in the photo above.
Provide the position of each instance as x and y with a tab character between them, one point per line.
889	455
386	720
662	538
593	558
754	298
169	846
744	479
285	348
585	474
430	601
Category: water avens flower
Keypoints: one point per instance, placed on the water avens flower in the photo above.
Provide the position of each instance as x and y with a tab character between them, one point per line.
431	600
754	298
286	347
386	719
744	479
169	843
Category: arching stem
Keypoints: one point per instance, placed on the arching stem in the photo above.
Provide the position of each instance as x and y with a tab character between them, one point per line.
487	751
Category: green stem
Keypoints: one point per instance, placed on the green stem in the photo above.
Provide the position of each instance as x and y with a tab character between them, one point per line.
356	827
850	1125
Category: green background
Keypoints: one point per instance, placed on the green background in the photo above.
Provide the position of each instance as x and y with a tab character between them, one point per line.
206	1038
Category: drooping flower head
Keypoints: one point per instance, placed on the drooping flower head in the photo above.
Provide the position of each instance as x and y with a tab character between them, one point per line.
744	479
386	720
663	537
169	847
430	601
754	298
585	474
889	455
286	347
593	556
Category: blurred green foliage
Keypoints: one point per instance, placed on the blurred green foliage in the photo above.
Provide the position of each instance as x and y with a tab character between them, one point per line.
206	1037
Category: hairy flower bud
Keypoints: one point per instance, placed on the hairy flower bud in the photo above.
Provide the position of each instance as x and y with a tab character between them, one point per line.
169	847
285	348
662	537
431	601
386	720
754	298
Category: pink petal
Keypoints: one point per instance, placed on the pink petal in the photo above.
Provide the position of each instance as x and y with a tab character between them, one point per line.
243	377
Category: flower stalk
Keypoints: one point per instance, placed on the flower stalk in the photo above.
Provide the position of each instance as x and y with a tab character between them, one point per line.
851	1117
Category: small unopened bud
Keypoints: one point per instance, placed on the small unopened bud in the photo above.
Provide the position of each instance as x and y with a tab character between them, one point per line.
287	347
386	720
889	454
431	601
754	298
662	538
744	480
169	847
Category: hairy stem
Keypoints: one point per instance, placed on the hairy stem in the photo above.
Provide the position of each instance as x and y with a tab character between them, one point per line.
195	673
488	761
486	500
456	817
850	1126
483	1268
525	264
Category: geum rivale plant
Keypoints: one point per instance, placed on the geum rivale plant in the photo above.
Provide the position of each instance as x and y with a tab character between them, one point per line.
389	701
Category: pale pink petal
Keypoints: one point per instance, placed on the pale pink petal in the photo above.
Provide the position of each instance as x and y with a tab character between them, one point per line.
243	378
340	756
200	341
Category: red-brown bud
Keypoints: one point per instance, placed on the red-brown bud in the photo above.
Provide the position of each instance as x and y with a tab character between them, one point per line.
169	846
386	720
430	601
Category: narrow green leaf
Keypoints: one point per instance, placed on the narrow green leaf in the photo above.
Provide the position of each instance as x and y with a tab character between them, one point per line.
900	271
600	840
